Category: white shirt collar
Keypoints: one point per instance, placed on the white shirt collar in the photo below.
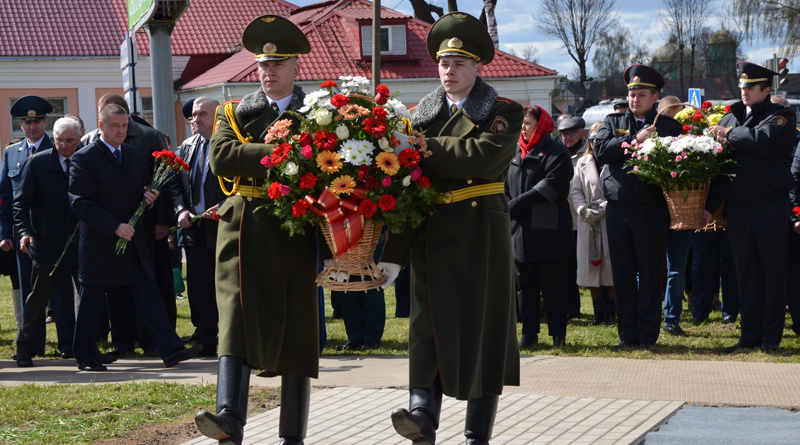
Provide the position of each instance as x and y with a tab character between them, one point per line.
282	103
36	144
113	149
61	160
459	104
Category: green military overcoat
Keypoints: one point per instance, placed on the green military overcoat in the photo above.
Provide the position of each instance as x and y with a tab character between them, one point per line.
463	323
266	294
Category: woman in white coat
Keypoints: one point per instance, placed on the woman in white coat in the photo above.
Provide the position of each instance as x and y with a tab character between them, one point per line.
594	263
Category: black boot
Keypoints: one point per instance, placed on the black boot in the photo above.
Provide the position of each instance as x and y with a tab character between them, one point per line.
420	422
598	311
233	383
611	312
295	400
481	413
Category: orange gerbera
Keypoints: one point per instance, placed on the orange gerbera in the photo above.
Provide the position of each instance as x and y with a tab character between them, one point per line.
329	161
387	161
343	184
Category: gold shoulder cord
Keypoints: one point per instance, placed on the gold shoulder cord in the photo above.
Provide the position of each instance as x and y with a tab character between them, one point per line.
229	116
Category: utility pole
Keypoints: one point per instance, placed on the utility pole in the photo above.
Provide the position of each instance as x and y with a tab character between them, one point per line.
376	44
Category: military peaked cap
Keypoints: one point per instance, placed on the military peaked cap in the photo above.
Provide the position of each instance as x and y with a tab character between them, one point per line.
751	74
642	76
187	109
273	38
460	34
31	108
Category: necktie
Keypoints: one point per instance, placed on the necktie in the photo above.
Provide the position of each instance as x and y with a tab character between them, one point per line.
32	151
66	161
275	108
453	109
197	181
118	155
639	125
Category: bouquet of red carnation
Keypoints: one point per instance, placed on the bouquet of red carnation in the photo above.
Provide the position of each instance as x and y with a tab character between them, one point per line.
167	164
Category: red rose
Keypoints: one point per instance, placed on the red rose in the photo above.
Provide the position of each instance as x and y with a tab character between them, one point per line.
328	84
274	191
368	207
409	158
382	95
727	108
339	101
215	216
687	129
305	140
325	140
796	211
307	181
280	153
379	113
387	203
424	182
299	209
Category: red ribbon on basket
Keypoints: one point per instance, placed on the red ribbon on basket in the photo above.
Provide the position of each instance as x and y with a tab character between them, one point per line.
344	220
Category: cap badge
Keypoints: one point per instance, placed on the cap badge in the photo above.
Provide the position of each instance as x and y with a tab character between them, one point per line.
636	79
269	47
460	16
744	76
269	19
455	42
31	113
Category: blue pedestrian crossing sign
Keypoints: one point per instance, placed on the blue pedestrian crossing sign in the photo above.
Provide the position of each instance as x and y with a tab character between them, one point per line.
696	97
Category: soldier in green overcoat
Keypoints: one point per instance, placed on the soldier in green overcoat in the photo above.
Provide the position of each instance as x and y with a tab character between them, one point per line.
266	294
462	339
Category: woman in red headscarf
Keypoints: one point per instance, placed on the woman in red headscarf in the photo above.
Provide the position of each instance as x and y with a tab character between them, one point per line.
541	225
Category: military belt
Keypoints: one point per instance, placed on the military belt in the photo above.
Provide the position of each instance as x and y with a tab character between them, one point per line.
251	191
470	192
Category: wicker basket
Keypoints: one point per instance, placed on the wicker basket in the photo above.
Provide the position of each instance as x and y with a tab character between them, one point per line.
687	215
718	221
355	262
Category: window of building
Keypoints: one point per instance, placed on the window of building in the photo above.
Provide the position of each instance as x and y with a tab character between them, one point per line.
393	40
59	110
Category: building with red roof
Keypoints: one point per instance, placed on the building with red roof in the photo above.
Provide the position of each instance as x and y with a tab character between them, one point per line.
49	48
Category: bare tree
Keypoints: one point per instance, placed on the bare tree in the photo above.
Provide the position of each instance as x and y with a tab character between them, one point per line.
686	20
488	19
578	24
528	52
614	53
776	21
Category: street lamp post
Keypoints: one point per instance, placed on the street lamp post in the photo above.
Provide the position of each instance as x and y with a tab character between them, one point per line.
563	84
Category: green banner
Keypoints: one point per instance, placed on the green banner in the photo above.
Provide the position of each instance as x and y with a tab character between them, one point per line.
139	12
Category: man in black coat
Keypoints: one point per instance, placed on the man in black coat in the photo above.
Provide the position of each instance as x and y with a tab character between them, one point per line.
126	320
756	195
197	192
44	223
636	214
106	183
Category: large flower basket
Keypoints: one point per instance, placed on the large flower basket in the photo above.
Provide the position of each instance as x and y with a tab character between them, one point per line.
686	208
356	262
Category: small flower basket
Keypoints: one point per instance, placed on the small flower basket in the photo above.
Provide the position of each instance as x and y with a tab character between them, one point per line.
351	169
682	166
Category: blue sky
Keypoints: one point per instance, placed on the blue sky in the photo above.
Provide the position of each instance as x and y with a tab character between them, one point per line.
516	28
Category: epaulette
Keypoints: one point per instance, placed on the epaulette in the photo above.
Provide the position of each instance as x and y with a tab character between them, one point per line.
15	144
504	99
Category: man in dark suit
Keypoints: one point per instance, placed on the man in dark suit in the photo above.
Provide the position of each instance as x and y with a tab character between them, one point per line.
32	114
44	223
126	320
105	188
197	192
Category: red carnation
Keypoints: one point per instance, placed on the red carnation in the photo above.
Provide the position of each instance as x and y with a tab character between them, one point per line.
727	108
280	153
387	203
796	211
375	127
424	182
379	113
382	89
215	216
299	208
328	84
597	262
697	117
339	101
706	105
687	129
409	158
370	183
305	140
308	180
274	191
363	171
325	140
368	207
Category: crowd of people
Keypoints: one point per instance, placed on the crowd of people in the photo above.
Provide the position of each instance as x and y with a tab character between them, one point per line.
531	215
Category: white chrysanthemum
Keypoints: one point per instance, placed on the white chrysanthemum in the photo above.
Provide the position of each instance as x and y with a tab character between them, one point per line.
395	107
356	152
355	84
312	98
647	147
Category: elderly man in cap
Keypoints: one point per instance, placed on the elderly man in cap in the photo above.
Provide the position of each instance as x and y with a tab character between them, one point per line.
755	191
31	111
573	135
266	294
462	337
636	214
